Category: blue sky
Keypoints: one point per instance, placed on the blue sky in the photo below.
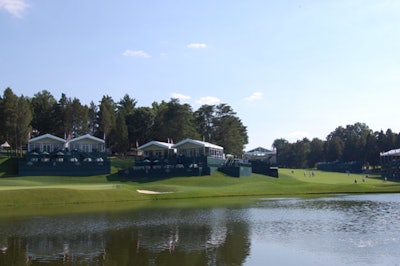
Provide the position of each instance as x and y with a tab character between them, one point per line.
290	69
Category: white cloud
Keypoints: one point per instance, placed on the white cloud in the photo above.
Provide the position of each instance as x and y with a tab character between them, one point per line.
16	8
180	96
196	45
210	100
136	53
254	97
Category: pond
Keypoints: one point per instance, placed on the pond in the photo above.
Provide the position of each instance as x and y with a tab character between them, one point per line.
337	230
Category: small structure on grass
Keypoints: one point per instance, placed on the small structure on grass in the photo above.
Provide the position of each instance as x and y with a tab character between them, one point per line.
87	143
46	143
51	155
390	164
186	158
157	149
197	148
5	146
263	161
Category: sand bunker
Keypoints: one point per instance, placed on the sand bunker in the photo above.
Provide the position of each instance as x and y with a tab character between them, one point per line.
151	192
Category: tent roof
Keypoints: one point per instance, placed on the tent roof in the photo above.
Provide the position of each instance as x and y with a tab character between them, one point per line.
87	136
47	136
5	145
197	143
395	152
160	144
259	152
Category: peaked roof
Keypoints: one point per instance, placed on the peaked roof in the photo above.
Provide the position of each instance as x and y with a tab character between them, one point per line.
47	136
395	152
87	136
259	151
160	144
5	145
197	143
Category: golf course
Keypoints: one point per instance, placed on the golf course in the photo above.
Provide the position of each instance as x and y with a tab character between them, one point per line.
17	191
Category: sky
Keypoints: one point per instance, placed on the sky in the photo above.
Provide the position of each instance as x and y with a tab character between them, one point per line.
289	69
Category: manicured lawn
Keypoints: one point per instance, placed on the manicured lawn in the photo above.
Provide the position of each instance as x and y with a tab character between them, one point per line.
56	190
70	190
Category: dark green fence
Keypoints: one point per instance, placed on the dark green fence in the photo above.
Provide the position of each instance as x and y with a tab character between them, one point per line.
171	167
238	170
342	167
64	168
73	163
264	168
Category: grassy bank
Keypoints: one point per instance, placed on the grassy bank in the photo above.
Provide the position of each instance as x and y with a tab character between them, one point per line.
63	190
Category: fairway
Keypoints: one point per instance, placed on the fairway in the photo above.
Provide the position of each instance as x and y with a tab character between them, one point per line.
333	177
63	186
66	190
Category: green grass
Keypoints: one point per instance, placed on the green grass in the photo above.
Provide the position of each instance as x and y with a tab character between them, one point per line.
118	163
17	192
8	166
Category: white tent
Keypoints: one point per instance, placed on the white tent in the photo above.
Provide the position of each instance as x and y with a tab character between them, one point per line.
5	145
395	152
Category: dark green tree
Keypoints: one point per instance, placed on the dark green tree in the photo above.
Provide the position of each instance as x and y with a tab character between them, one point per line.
354	141
44	120
106	118
300	151
372	150
80	118
93	125
204	121
316	152
121	143
126	105
334	149
139	124
174	121
229	131
283	150
23	122
9	115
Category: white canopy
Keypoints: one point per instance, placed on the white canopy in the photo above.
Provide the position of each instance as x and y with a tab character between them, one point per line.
155	145
198	143
395	152
5	145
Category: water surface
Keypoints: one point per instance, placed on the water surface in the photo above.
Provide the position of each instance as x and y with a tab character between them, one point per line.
341	230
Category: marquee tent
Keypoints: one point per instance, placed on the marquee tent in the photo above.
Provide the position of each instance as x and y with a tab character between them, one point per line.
395	152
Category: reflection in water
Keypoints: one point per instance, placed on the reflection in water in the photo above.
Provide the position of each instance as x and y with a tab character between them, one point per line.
348	230
167	237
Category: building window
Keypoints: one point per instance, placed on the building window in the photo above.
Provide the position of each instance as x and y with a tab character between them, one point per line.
85	147
46	147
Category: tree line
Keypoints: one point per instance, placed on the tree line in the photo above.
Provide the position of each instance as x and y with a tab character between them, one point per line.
121	123
124	126
355	142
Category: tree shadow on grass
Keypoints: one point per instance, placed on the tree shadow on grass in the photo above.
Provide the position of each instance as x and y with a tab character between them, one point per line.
9	167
